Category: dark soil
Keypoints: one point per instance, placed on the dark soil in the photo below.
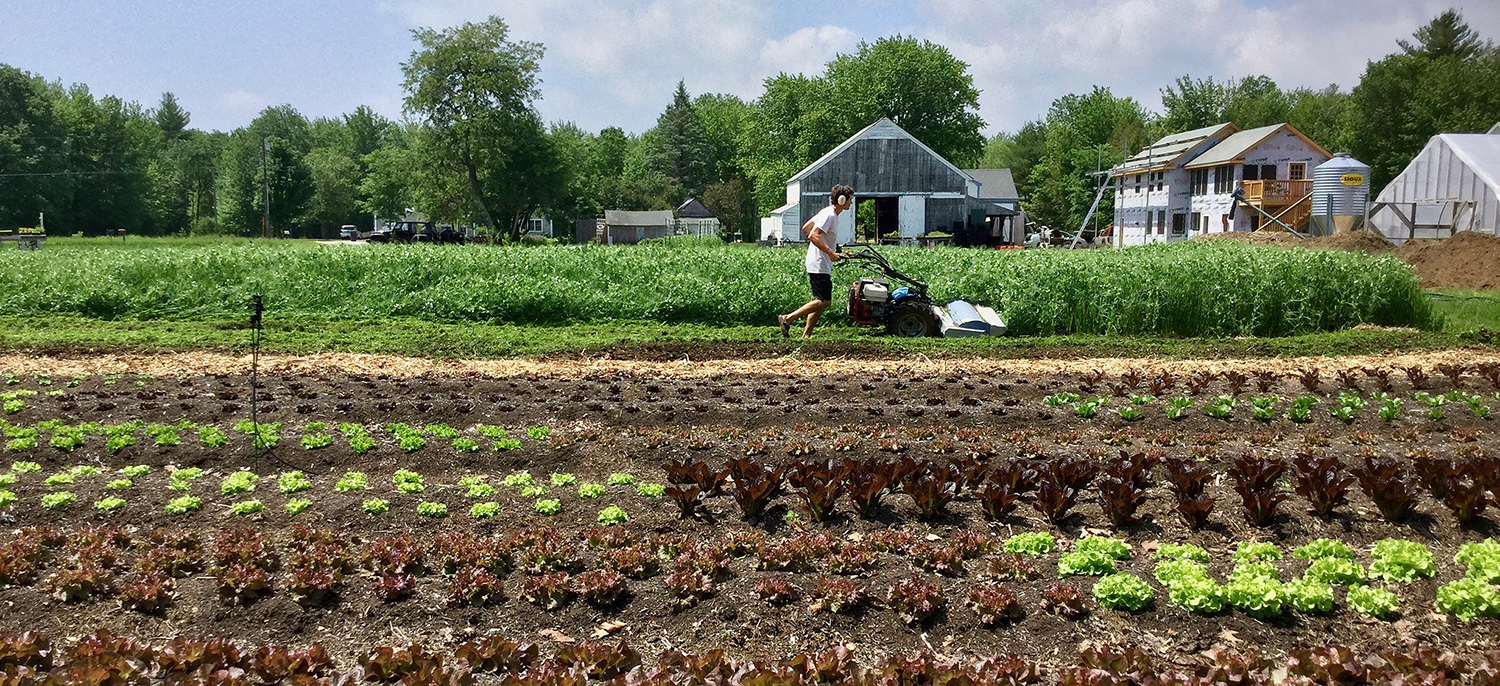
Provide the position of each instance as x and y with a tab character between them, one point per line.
629	424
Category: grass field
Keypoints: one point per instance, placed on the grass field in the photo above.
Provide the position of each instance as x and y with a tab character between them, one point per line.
1213	290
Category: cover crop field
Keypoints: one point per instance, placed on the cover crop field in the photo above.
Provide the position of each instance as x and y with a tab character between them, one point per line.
1192	289
1327	524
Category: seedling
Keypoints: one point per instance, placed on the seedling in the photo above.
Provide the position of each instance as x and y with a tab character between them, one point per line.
591	490
293	482
484	510
1179	407
247	507
518	480
648	490
613	515
242	481
563	479
352	481
428	508
1131	413
136	471
211	437
533	491
507	444
408	481
316	441
120	484
295	506
1390	410
109	503
475	487
465	445
538	433
442	431
491	432
621	479
59	500
25	467
548	507
6	497
1060	399
376	506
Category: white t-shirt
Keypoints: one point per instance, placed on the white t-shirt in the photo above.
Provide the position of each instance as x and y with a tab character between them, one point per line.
826	220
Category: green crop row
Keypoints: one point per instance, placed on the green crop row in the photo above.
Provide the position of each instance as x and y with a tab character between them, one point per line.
1195	289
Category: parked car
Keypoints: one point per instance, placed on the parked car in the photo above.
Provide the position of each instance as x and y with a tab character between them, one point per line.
349	232
402	232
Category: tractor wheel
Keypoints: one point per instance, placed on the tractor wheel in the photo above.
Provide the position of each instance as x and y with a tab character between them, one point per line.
912	320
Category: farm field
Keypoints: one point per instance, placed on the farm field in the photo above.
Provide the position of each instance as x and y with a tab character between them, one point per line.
1038	510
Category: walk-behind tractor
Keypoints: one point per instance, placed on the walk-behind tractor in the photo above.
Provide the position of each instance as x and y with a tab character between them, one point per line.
907	311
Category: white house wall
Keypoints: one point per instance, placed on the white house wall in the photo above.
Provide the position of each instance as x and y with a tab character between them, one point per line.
1133	201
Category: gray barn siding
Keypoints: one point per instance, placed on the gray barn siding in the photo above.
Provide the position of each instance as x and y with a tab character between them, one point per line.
942	212
886	166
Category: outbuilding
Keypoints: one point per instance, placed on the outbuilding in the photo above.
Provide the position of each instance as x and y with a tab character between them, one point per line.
915	190
1452	185
629	228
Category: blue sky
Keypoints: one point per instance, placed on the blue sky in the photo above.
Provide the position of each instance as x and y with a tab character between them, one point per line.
615	62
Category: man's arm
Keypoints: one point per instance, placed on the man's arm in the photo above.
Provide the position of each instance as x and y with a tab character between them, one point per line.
816	238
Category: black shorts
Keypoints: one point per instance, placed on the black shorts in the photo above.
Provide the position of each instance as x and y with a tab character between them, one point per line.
822	286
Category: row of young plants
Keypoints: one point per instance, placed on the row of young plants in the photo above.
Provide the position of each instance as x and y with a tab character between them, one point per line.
1311	378
31	658
1346	407
360	438
976	440
300	490
105	562
1466	485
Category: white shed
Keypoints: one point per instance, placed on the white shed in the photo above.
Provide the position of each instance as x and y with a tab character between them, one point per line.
1452	185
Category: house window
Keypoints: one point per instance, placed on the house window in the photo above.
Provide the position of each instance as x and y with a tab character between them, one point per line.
1197	220
1297	171
1224	179
1161	222
1179	224
1148	222
1198	179
536	225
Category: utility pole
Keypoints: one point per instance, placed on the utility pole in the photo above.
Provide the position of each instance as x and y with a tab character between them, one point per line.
265	186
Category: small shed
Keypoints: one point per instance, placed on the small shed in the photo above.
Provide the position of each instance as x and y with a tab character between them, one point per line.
694	218
1452	185
997	212
629	228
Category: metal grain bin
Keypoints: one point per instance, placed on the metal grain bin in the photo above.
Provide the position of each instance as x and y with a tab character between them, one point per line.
1341	195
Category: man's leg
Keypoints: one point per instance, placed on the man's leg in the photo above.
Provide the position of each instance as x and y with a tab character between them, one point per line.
809	308
812	317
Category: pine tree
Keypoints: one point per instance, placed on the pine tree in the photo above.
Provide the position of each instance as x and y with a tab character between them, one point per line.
171	118
682	151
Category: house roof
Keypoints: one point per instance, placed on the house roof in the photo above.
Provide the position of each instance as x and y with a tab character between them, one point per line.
995	184
623	218
692	209
885	128
1233	148
1495	129
1169	150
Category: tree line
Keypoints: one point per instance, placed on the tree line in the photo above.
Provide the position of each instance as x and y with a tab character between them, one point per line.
471	146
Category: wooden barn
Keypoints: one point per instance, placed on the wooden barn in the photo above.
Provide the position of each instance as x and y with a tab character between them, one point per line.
915	190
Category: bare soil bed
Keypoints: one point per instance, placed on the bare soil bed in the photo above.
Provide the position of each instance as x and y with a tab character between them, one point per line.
611	419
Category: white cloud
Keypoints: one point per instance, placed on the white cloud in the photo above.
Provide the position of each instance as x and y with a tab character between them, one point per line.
1026	54
616	62
242	104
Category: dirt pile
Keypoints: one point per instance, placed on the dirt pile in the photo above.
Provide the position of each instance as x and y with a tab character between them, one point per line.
1367	242
1467	260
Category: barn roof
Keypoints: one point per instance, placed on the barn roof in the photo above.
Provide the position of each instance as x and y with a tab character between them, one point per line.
995	184
1169	150
623	218
1479	153
692	209
885	128
1233	148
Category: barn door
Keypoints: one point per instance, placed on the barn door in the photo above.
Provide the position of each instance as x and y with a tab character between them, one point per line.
913	216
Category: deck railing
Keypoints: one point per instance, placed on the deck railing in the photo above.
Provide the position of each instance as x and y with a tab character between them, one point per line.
1276	191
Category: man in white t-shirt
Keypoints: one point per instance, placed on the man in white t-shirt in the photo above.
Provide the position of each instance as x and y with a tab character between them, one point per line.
822	233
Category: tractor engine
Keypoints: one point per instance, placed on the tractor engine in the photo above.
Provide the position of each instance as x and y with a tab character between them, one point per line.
869	301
